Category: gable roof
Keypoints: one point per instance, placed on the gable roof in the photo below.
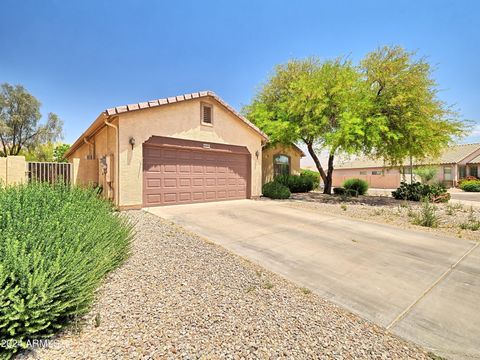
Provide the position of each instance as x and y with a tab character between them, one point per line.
179	98
117	110
451	155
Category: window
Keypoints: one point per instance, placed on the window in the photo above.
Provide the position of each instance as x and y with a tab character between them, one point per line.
447	173
473	170
462	172
363	173
281	165
377	172
206	114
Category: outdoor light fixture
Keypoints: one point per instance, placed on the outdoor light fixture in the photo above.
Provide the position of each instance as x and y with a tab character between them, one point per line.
257	154
131	141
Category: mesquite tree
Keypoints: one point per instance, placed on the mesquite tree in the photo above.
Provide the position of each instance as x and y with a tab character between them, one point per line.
386	107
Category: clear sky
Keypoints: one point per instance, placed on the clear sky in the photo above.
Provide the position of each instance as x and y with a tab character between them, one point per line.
81	58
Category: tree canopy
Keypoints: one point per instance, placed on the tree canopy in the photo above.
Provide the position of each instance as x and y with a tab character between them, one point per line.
385	107
20	126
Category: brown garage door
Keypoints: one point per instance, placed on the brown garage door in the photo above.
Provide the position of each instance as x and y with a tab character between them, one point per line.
179	171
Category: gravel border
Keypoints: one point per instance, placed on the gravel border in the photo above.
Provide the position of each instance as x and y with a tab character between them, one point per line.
181	296
386	210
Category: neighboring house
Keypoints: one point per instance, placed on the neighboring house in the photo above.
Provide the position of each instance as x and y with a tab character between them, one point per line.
182	149
455	163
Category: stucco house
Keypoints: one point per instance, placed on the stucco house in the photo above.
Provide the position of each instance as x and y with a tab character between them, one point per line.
455	163
182	149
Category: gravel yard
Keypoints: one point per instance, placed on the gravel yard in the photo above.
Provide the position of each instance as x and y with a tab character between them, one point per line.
383	209
179	296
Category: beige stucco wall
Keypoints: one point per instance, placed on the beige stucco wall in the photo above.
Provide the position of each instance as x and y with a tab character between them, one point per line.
13	170
267	160
87	171
179	120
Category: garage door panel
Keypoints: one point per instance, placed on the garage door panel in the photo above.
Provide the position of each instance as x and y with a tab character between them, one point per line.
196	182
210	182
210	195
198	196
170	197
154	183
174	176
185	182
197	169
169	168
170	183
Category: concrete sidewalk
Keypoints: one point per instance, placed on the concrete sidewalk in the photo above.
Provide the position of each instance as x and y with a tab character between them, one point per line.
400	279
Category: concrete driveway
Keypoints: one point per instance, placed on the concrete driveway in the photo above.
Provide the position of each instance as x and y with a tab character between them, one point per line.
422	286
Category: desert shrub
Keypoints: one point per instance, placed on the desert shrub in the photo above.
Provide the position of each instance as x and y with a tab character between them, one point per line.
57	244
470	185
313	175
427	215
359	185
295	183
472	222
451	209
275	190
417	191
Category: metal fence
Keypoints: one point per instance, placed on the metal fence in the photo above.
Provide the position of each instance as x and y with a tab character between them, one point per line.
50	172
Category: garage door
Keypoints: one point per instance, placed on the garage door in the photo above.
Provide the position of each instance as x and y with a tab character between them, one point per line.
181	171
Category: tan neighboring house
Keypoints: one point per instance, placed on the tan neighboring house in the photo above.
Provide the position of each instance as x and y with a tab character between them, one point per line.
182	149
455	163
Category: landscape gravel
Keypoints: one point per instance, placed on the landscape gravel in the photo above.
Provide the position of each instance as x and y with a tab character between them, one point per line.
451	216
181	296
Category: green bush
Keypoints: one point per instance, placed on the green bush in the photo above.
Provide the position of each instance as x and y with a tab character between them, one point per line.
470	185
358	185
275	190
417	191
313	175
295	183
57	242
345	192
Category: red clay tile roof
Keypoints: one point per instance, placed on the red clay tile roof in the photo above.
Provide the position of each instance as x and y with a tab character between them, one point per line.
175	99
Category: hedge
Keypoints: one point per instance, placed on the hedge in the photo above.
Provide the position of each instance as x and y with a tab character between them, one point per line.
470	185
296	183
275	190
57	242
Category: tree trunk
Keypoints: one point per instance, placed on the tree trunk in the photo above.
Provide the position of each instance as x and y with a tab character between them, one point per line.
328	183
317	162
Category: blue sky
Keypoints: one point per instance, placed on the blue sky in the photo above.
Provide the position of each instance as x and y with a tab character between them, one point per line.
80	58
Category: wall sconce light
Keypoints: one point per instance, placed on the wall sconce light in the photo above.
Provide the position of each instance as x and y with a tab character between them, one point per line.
131	141
257	154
